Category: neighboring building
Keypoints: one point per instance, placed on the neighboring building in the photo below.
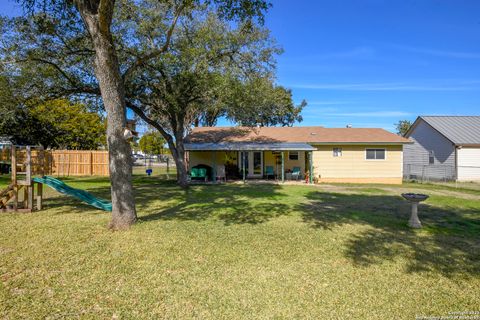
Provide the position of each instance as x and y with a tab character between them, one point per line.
444	148
363	155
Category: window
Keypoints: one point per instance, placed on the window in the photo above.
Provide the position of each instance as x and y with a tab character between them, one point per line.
431	157
375	154
293	155
337	152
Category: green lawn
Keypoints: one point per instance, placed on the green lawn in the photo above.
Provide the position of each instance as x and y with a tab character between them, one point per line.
245	252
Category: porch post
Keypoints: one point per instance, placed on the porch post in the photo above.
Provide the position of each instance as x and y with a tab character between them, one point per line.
214	167
263	164
283	166
243	165
310	162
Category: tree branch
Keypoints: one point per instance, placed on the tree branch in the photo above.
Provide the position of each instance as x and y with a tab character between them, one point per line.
138	111
141	60
56	66
105	15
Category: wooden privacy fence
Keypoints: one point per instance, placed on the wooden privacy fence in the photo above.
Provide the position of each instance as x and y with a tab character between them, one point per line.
62	162
78	163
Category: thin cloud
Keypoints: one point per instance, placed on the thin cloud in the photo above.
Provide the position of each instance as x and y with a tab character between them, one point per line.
328	103
376	114
382	87
355	53
440	53
312	111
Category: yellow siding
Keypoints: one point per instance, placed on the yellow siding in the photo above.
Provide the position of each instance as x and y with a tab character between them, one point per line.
352	166
269	159
362	180
207	157
289	164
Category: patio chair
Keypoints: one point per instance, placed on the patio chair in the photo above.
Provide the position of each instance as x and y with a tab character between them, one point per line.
296	173
269	172
221	173
198	174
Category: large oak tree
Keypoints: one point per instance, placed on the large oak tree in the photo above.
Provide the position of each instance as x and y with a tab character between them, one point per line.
97	17
213	69
181	65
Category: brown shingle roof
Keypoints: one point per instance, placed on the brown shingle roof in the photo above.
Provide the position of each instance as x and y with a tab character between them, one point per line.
293	134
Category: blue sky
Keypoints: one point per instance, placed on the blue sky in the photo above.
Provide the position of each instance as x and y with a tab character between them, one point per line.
370	63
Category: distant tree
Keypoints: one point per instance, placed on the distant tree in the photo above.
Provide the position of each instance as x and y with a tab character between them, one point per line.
152	143
74	126
403	126
54	124
259	102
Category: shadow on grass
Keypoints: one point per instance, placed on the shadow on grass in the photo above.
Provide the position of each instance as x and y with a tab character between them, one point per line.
159	199
232	204
449	243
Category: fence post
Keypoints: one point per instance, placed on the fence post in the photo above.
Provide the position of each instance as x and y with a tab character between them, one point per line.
28	166
91	163
168	168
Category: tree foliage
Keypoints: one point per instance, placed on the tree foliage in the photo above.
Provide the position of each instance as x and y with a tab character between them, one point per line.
95	18
183	63
403	126
152	143
74	126
58	124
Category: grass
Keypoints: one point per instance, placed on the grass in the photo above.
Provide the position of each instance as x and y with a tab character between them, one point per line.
243	252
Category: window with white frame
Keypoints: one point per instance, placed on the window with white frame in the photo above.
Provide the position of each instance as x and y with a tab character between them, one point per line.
337	152
293	155
375	154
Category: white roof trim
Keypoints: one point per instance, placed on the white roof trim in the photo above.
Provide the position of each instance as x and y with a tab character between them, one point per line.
248	146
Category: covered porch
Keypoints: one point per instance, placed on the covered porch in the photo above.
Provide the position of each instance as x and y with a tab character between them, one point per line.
245	161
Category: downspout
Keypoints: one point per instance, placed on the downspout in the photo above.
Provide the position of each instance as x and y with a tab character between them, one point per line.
310	161
214	167
243	165
456	163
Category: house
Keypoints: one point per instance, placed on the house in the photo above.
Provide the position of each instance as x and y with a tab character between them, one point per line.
350	155
444	148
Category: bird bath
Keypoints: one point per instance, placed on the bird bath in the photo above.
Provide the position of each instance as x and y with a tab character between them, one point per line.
415	199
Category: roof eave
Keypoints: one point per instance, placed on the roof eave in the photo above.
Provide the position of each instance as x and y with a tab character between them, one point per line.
467	144
362	143
246	146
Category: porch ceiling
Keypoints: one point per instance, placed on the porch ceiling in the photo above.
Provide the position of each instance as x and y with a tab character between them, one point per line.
248	146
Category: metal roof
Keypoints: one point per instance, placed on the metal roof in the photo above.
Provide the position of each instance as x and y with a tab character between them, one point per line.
248	146
461	130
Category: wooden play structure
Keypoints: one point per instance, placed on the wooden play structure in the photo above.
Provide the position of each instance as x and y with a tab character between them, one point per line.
25	162
28	166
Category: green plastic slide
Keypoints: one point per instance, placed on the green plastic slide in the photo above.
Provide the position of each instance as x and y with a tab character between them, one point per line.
82	195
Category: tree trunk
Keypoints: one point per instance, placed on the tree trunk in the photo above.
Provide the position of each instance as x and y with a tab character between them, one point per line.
113	96
181	168
178	153
175	145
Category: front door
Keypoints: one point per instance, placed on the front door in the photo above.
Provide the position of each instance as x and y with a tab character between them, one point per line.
257	164
253	163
